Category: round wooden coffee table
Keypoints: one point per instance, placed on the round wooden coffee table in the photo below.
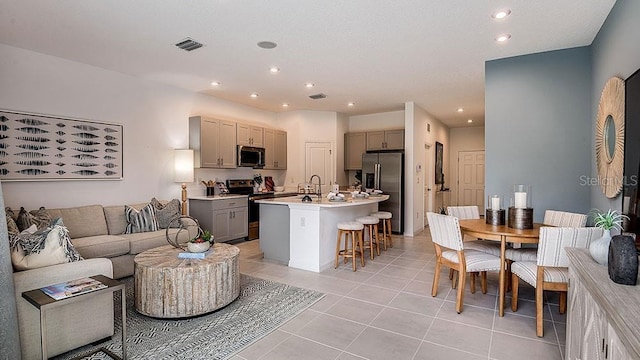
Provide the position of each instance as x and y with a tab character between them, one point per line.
168	287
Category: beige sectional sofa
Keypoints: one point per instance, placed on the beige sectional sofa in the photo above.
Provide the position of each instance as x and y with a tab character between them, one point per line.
97	233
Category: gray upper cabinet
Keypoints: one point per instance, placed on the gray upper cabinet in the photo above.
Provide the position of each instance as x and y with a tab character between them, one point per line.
250	135
355	144
385	140
275	147
213	141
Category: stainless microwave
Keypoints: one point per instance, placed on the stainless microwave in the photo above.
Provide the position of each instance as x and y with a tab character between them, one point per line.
250	156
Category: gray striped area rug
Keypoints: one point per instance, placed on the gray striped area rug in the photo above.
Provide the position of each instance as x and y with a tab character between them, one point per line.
262	306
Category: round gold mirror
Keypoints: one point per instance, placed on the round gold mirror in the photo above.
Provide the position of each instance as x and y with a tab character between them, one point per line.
609	139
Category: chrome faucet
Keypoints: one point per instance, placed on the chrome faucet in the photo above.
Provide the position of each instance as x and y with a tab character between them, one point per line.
319	190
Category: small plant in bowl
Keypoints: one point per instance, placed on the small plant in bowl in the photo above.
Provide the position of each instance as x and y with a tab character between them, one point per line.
611	220
201	242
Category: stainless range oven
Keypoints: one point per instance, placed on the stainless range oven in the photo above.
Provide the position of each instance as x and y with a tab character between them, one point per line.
245	187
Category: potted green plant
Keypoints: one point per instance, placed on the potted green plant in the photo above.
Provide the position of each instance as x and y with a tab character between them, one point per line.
607	221
201	242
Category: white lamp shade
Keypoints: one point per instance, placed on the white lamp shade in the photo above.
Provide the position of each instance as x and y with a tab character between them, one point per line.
183	162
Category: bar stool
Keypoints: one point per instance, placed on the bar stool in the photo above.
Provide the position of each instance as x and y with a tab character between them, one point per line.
370	224
351	229
385	217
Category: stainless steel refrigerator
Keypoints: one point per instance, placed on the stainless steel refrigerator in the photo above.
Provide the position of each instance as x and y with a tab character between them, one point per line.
385	171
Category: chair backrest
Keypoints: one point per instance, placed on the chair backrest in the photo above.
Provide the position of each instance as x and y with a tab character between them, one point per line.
564	219
445	230
464	212
553	241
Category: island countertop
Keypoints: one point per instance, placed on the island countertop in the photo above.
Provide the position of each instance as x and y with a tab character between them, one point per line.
324	202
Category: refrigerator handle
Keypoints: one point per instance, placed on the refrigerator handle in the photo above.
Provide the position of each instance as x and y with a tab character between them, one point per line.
377	181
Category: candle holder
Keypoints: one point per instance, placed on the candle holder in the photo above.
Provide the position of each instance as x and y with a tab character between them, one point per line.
495	214
521	211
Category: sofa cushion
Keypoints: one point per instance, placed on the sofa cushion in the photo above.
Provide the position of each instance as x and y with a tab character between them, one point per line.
50	246
140	221
144	241
101	246
82	221
116	221
165	212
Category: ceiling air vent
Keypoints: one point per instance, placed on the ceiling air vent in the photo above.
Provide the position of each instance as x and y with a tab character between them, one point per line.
318	96
189	44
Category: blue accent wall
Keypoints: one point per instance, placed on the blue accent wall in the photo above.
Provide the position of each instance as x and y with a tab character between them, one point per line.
538	127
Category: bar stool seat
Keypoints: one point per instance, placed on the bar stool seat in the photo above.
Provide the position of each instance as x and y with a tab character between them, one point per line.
385	217
353	248
370	224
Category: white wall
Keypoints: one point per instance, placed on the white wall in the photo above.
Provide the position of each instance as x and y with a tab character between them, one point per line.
462	139
378	121
154	116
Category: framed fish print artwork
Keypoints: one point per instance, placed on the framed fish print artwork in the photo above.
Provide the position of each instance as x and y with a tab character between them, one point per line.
43	147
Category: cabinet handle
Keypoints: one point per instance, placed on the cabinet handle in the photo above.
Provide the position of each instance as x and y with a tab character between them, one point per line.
231	203
602	344
606	351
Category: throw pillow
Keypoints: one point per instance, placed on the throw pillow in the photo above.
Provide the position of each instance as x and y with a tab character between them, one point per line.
166	213
24	219
140	221
41	218
46	247
12	227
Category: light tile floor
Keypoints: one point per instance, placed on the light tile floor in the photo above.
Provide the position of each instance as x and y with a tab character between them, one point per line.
385	311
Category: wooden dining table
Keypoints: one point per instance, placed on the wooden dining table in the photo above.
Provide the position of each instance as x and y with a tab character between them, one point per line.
478	228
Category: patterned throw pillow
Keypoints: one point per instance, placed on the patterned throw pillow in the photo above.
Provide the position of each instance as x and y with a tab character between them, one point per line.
11	223
46	247
24	219
166	213
41	218
140	221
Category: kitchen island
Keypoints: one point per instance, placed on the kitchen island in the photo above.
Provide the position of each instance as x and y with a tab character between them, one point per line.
303	234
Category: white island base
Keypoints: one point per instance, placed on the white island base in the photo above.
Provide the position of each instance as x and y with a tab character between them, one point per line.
309	230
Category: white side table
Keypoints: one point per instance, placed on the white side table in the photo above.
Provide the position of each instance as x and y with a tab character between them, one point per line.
44	302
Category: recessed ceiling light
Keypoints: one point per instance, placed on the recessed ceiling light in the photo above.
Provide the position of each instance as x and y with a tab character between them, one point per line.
470	121
500	14
215	83
351	104
267	44
274	69
285	105
254	95
503	37
460	110
309	85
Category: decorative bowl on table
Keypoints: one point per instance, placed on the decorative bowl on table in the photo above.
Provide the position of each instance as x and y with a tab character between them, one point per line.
195	247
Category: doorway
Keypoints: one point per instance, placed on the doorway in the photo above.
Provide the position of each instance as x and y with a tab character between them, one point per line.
319	161
428	182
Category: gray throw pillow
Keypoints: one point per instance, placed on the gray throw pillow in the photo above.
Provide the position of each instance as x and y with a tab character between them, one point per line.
11	224
24	220
41	218
167	212
140	221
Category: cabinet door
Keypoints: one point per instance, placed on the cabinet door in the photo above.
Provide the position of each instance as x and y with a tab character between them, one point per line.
243	135
256	134
375	140
269	148
575	317
394	139
355	144
616	350
280	149
227	144
593	341
221	225
209	134
238	222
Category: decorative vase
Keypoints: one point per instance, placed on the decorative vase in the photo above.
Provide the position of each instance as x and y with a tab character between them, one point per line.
623	260
599	248
198	247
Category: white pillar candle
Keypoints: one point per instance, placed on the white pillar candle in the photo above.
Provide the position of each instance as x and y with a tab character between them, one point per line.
520	200
495	203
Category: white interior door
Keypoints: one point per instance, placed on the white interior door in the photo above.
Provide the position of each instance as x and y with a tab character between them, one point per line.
318	161
428	181
471	178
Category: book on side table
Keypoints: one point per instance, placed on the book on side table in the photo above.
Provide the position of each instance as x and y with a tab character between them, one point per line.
73	288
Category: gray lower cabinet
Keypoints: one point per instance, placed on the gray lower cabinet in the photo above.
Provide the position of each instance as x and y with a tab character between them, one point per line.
603	319
227	219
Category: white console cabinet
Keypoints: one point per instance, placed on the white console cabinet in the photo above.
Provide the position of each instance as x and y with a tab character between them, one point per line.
603	318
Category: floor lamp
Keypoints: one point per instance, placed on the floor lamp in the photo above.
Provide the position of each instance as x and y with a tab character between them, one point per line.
183	162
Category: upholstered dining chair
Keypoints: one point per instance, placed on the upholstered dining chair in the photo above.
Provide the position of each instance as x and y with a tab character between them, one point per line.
449	247
551	218
549	271
471	212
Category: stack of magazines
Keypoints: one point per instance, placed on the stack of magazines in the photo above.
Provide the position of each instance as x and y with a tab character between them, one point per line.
73	288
